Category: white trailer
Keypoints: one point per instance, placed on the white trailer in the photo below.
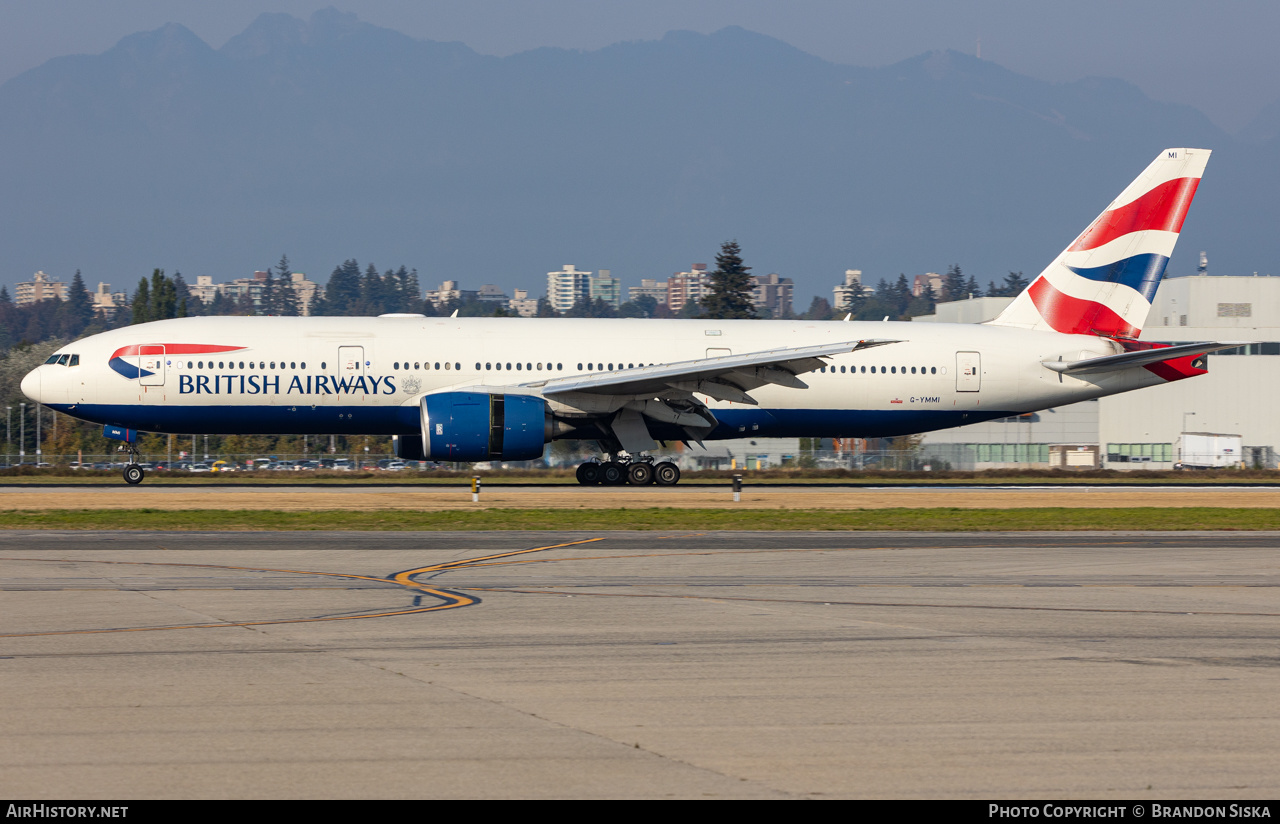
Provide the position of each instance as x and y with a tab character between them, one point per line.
1209	450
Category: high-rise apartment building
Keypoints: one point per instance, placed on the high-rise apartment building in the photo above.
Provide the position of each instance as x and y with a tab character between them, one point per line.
40	287
607	288
773	296
567	287
683	287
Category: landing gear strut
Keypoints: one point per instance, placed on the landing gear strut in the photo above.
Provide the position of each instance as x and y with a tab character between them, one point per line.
620	470
133	473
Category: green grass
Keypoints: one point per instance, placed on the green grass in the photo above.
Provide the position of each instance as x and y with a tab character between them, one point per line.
1042	477
692	520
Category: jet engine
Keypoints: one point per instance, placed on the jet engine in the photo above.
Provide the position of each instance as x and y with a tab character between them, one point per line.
478	426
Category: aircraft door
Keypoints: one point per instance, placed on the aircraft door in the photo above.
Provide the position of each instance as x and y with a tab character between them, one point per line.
351	366
968	371
151	365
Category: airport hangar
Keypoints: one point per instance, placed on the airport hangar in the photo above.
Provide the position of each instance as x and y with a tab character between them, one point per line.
1141	429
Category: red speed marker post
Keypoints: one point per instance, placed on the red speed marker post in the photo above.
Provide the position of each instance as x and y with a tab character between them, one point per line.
737	488
475	489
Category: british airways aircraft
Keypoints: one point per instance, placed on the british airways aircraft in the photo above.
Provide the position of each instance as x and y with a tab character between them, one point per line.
479	389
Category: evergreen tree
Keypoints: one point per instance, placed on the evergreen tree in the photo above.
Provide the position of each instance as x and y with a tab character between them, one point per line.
732	289
971	288
545	309
952	284
142	302
268	296
221	305
372	295
1015	283
342	294
77	310
819	309
188	304
286	299
922	304
644	306
5	300
410	289
901	296
163	302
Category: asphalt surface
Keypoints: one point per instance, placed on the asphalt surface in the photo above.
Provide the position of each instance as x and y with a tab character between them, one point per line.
646	665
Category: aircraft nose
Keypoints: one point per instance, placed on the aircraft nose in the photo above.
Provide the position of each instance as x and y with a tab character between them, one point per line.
31	385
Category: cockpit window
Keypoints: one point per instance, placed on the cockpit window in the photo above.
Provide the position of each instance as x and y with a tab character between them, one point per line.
75	360
62	360
52	359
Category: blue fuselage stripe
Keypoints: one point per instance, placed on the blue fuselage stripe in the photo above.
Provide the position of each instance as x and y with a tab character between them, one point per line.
406	420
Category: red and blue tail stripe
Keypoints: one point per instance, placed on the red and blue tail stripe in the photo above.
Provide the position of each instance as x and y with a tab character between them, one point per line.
1105	281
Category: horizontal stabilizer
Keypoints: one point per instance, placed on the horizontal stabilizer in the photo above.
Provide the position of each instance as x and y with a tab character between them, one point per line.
1142	357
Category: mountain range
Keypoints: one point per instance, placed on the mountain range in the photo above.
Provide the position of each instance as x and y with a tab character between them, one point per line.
331	138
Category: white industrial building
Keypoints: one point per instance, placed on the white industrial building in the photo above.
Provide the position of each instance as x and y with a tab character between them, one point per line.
1141	429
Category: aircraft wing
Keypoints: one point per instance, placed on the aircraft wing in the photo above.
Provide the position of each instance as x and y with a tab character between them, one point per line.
728	378
1141	357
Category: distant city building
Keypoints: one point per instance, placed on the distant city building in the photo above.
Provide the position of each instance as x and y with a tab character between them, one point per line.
567	287
239	288
847	291
40	287
522	304
490	293
204	289
929	280
683	287
447	293
773	296
304	289
649	287
606	288
106	303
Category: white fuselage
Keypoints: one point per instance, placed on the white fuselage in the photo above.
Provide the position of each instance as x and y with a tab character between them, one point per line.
367	375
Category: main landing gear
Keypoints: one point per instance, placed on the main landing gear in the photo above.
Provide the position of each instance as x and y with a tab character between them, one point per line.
635	471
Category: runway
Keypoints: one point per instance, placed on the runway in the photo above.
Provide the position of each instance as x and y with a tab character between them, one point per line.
442	498
639	665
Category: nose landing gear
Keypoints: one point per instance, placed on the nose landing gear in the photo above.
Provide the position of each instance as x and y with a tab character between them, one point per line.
133	473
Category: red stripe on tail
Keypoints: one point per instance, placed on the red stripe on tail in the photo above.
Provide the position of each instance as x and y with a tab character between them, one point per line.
1073	316
1164	208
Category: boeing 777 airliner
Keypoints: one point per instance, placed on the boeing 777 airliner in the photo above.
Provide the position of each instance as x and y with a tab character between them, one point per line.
479	389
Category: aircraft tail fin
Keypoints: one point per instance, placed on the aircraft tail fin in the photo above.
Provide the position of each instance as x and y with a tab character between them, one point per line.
1104	282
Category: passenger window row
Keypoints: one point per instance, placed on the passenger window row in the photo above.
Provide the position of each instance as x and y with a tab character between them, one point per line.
232	365
601	367
883	370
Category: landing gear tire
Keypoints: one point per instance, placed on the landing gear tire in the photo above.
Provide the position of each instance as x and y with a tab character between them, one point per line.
612	473
589	474
133	474
666	474
640	473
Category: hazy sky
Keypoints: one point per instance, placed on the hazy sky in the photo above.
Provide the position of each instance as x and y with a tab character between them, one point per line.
1220	57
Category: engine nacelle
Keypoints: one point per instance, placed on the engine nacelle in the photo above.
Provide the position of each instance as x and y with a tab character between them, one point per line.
477	426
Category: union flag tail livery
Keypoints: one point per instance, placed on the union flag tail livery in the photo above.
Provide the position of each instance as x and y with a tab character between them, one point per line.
1103	283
